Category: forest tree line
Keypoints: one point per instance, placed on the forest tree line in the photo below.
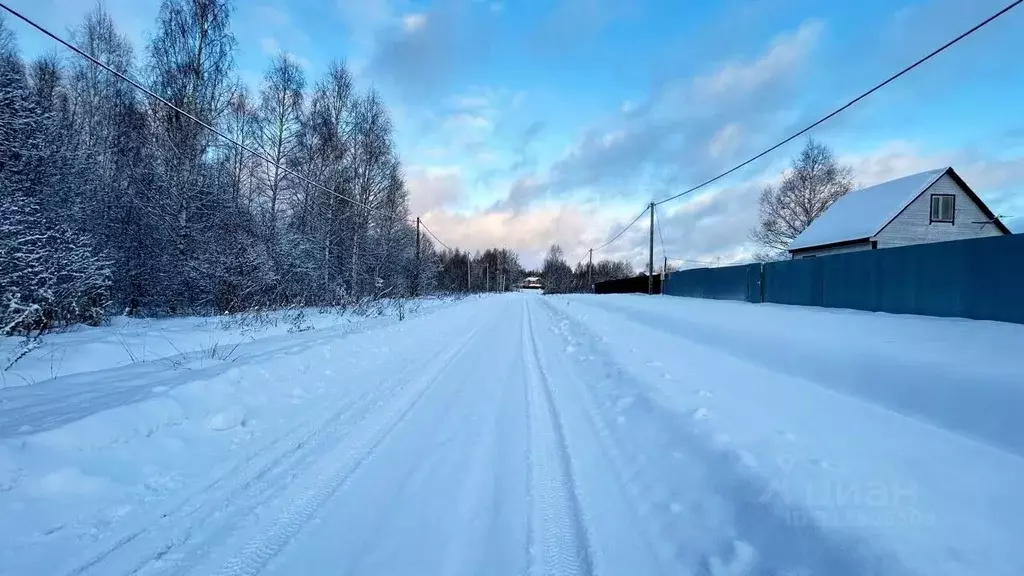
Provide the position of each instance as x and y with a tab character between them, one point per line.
493	270
561	278
112	202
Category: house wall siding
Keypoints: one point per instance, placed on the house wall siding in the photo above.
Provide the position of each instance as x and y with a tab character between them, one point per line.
832	250
912	226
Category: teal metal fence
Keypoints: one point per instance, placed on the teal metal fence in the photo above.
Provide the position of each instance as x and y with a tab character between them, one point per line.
729	283
981	278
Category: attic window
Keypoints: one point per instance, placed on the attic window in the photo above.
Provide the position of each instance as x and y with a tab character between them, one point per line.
943	207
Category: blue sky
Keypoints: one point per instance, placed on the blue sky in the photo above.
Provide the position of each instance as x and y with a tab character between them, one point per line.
532	122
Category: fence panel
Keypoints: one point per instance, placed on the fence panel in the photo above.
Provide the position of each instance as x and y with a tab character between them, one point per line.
796	282
634	285
980	278
730	283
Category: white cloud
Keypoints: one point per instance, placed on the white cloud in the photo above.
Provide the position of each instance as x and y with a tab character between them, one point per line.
487	156
713	226
272	16
529	233
470	101
710	120
305	63
134	18
785	52
463	121
357	66
427	54
414	22
725	140
365	17
998	181
277	32
434	152
891	160
434	187
270	45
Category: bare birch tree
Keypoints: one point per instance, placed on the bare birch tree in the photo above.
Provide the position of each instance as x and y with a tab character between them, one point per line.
191	60
812	184
280	125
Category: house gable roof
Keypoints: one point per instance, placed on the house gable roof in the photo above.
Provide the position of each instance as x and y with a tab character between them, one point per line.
977	201
863	213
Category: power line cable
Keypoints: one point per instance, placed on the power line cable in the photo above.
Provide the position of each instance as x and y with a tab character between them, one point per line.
628	226
692	261
839	110
434	236
163	101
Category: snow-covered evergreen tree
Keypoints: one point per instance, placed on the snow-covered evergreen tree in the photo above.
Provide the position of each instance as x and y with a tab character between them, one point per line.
51	272
112	202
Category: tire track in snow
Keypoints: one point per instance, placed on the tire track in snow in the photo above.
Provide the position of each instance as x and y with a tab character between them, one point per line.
702	510
185	530
258	552
558	539
240	489
677	532
495	476
272	479
231	493
610	481
238	484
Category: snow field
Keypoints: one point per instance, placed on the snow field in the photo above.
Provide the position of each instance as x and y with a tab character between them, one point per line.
216	422
528	434
892	478
186	343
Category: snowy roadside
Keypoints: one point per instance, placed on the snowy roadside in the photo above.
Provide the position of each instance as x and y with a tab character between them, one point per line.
111	374
67	487
836	424
176	341
962	375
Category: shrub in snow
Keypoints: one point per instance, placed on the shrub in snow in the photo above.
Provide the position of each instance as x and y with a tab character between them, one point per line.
51	276
298	321
227	419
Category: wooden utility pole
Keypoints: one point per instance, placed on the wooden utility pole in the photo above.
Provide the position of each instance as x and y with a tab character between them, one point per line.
590	271
650	256
469	274
487	277
416	276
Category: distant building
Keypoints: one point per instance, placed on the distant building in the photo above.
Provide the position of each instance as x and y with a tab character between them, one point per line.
533	283
933	206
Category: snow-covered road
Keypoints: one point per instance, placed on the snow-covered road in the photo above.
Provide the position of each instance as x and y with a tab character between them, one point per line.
525	434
